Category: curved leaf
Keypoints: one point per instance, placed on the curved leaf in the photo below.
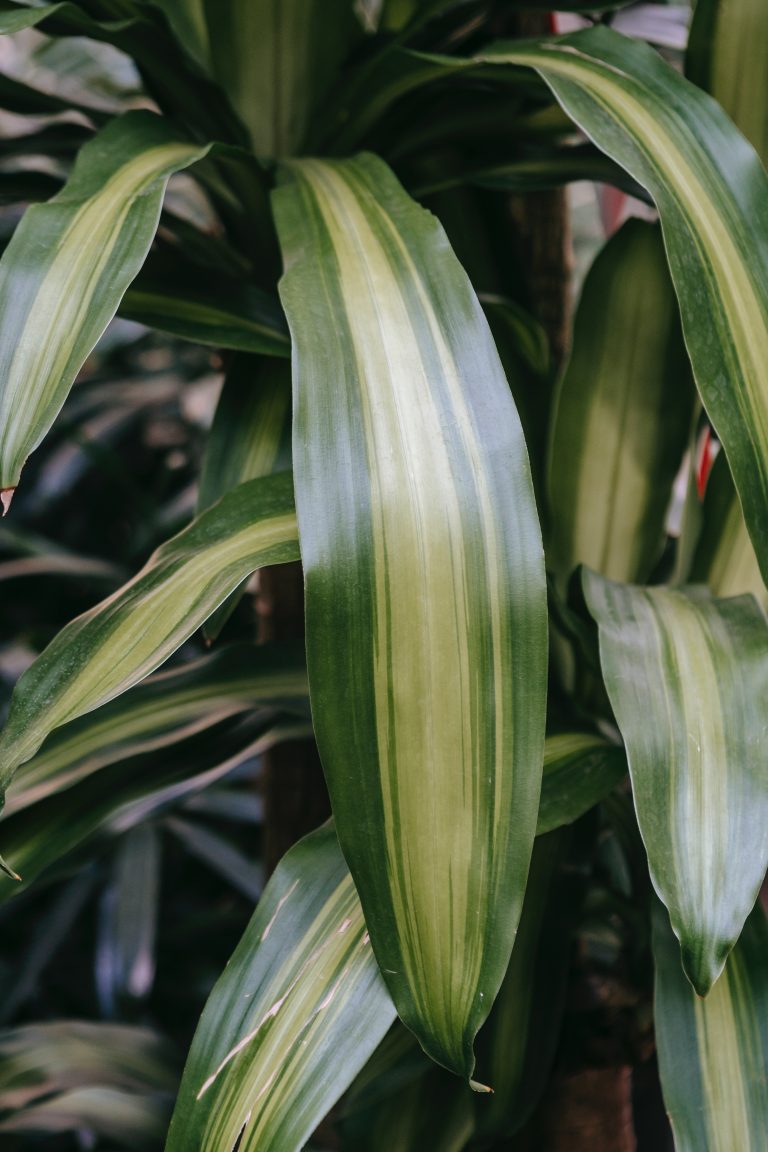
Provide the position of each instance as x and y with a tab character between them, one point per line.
163	710
622	416
116	644
299	1009
713	1053
687	677
219	312
712	194
726	57
425	590
66	268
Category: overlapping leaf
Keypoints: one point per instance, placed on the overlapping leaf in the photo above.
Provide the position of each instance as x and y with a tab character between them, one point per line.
713	1053
425	594
66	268
298	1011
712	194
687	676
166	708
579	770
119	642
725	57
622	416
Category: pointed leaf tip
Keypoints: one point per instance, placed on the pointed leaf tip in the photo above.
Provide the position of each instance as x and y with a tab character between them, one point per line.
480	1088
6	495
9	871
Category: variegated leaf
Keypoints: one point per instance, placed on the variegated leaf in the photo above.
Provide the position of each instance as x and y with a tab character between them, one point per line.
712	194
713	1053
66	268
166	708
116	644
425	592
622	415
298	1011
687	676
726	57
579	771
724	558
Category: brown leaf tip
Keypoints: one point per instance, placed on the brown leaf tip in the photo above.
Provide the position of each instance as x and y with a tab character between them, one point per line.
4	867
6	495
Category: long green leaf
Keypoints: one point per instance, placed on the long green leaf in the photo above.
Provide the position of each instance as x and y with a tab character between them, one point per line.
517	1046
298	1011
713	1053
712	194
622	416
687	676
116	644
726	57
250	437
579	771
48	836
724	558
425	593
164	709
276	61
215	310
66	268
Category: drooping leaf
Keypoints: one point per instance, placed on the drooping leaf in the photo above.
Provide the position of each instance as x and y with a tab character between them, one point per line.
164	709
25	100
116	644
725	57
250	437
298	1011
48	836
724	558
687	676
622	415
425	593
579	771
66	268
713	1053
712	194
125	951
276	61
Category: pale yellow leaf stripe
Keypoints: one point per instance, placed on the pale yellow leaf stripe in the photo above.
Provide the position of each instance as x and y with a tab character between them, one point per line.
403	429
648	121
83	254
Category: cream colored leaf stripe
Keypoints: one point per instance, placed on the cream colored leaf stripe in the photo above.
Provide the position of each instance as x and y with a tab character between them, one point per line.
687	676
713	1053
712	195
66	268
298	1011
425	597
166	708
116	644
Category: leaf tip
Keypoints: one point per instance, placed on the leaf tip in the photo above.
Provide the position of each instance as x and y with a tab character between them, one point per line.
6	495
4	867
481	1089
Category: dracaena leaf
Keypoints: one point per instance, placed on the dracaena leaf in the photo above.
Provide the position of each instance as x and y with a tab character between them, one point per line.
687	676
425	590
298	1011
712	194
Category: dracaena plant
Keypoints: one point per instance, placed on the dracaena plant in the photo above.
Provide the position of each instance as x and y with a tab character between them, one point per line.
537	695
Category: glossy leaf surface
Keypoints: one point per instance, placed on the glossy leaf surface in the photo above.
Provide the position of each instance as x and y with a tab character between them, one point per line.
712	194
425	593
116	644
622	416
66	268
687	677
298	1011
713	1053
